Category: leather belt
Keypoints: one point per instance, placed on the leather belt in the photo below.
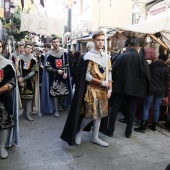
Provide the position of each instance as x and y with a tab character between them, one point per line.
98	86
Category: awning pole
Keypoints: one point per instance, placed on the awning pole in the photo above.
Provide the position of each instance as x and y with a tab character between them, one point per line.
106	56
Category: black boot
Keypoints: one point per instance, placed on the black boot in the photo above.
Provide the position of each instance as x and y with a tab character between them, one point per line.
128	134
142	127
153	126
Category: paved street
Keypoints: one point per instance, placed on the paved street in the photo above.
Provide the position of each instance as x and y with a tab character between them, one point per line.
41	148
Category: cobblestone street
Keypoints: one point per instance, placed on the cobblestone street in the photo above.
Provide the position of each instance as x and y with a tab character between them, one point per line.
40	148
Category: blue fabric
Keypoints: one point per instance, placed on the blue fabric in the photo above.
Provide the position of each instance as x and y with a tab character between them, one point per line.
61	87
14	131
101	69
46	101
156	107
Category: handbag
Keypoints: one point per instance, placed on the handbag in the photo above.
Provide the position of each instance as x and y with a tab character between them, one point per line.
150	53
164	110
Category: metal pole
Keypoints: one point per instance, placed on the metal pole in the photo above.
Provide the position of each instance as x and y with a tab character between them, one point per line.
106	54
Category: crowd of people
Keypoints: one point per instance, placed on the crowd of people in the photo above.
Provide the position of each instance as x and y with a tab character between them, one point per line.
43	83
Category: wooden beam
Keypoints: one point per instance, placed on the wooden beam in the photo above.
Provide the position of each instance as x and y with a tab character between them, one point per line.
159	41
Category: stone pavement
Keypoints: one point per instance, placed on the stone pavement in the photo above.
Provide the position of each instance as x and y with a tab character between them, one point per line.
41	148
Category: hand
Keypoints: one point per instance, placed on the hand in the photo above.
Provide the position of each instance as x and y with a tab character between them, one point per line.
105	83
21	84
60	72
20	79
165	99
109	93
64	76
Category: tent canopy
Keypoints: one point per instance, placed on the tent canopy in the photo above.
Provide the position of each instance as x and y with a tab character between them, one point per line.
158	24
41	25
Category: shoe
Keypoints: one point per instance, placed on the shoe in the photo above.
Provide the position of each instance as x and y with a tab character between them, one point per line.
29	118
100	142
3	153
128	134
153	126
56	114
107	133
78	138
143	126
60	110
123	120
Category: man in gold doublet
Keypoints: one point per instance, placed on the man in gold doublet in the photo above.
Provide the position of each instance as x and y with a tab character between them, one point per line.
93	88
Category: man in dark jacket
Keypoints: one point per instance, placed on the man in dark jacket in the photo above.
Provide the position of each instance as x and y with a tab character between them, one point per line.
158	91
131	77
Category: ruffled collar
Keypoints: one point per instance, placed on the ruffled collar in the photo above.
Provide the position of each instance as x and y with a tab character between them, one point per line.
4	62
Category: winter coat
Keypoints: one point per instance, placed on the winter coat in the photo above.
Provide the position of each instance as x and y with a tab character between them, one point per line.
159	79
130	74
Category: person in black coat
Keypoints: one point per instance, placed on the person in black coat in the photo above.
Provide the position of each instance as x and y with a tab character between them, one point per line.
89	46
73	67
158	91
131	79
77	122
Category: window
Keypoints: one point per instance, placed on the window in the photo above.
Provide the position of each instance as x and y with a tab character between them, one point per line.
84	5
1	3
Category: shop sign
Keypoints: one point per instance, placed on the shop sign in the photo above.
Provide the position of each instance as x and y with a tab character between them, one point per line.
158	8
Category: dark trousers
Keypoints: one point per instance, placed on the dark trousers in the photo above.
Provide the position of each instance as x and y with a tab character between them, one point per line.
116	102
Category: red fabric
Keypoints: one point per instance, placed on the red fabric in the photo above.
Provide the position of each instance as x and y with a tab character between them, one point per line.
1	75
150	53
58	63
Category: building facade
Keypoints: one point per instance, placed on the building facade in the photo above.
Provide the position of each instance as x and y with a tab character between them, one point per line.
88	16
148	9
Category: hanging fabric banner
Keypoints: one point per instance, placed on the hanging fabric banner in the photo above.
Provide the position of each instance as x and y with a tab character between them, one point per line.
7	9
41	25
42	2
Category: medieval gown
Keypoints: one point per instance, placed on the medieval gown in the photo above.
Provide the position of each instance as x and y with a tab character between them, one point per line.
27	67
86	100
8	102
53	84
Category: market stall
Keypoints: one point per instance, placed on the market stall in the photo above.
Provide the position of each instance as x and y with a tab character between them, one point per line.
158	29
155	35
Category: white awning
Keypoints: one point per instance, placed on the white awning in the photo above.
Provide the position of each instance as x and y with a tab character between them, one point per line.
41	25
158	24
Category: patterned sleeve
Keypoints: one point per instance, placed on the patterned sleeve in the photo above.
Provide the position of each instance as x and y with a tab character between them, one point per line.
48	66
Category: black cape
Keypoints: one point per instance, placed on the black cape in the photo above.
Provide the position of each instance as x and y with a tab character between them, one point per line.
74	118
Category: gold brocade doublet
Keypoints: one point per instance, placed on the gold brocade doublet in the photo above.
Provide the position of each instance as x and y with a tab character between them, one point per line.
95	103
